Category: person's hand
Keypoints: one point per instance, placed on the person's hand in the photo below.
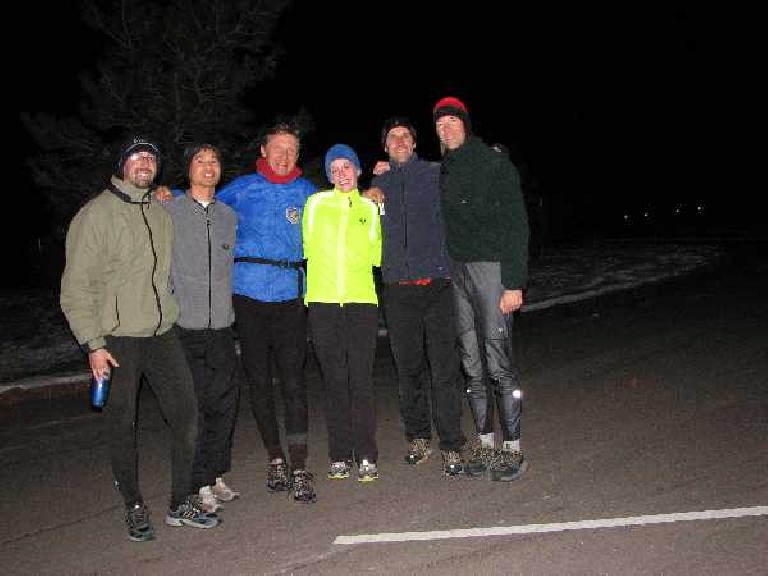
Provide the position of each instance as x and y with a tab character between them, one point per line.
380	167
511	301
101	362
374	194
163	194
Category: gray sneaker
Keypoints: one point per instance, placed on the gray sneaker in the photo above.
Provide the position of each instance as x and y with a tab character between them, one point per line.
452	464
507	465
339	470
222	492
139	525
207	499
191	513
419	451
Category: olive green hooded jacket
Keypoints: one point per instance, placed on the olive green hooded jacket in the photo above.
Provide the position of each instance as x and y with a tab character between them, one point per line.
116	280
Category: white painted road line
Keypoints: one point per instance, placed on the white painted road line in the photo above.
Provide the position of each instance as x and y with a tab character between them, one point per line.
557	527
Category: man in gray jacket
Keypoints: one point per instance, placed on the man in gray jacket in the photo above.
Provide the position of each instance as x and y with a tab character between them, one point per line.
201	274
115	293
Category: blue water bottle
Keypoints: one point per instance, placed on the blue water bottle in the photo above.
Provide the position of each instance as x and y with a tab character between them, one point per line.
100	390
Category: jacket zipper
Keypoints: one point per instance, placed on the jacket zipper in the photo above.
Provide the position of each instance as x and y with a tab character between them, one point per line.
208	234
154	267
341	244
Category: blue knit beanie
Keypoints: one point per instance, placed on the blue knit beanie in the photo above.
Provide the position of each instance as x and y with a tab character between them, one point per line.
340	151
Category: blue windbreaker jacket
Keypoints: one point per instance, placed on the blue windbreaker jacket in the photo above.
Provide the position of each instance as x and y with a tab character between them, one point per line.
269	226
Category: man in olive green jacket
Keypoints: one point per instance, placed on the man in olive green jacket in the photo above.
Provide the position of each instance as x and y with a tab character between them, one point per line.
115	293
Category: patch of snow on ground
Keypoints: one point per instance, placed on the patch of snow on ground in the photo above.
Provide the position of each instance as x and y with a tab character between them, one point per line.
35	339
572	274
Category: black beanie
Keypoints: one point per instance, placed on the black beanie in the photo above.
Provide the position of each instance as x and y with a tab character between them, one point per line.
133	145
394	122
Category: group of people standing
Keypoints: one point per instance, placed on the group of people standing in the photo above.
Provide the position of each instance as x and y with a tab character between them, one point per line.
154	281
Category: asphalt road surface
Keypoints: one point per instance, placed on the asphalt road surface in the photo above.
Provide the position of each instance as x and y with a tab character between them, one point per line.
646	412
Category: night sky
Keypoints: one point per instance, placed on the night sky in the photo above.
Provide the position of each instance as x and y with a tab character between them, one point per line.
600	102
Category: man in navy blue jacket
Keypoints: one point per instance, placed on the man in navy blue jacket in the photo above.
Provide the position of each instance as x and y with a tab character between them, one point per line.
269	311
418	301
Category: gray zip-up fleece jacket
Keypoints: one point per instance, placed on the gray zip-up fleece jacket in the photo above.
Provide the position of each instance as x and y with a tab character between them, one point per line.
201	266
117	277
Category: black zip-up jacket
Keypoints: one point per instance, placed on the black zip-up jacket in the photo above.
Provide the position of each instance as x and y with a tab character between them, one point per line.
412	224
484	211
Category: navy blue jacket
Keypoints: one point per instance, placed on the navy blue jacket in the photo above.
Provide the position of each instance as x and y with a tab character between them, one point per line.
412	223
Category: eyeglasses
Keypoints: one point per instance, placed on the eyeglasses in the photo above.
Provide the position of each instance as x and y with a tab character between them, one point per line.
138	156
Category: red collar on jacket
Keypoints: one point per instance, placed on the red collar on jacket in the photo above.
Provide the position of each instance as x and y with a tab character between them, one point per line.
263	168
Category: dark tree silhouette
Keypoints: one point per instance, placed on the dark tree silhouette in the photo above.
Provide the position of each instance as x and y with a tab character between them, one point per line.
175	71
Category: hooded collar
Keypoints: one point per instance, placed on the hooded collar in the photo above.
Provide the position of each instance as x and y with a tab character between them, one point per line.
127	192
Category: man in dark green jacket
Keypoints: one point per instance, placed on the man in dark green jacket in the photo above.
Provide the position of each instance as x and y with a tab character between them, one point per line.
487	238
115	293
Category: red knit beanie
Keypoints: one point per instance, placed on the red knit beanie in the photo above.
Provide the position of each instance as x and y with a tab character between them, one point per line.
451	106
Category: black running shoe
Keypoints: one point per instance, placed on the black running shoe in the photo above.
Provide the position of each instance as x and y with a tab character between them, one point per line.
139	525
303	486
278	478
452	464
419	451
191	513
479	462
507	465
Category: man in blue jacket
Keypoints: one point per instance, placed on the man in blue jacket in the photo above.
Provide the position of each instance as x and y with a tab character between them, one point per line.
268	289
418	299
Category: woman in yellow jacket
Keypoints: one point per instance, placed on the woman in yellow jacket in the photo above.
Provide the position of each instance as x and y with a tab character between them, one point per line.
342	244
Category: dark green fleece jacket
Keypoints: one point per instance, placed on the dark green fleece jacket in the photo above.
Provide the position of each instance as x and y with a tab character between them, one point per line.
484	211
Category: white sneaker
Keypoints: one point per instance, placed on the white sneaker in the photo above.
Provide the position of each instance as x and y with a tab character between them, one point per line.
222	492
208	500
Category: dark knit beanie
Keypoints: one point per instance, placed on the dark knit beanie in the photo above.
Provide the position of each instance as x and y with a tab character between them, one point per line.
396	122
450	106
133	145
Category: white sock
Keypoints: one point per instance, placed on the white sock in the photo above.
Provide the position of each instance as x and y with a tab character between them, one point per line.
487	440
511	445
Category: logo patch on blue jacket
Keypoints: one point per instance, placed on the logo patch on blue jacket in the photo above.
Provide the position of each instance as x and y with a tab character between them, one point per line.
292	214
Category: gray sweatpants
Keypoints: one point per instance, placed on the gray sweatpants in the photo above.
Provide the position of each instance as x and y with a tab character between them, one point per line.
485	343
